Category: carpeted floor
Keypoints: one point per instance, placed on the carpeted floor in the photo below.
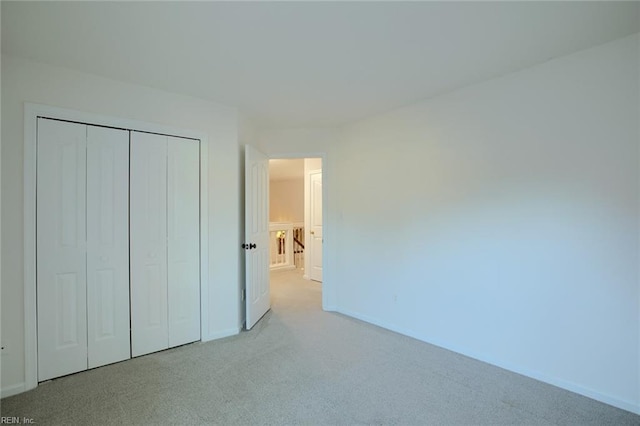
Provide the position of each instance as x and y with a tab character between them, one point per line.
300	365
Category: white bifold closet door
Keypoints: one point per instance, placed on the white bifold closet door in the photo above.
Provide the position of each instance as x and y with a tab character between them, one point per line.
165	230
107	245
183	240
82	247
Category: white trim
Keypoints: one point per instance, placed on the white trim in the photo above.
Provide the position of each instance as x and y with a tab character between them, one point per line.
329	299
12	390
204	240
31	114
30	314
554	381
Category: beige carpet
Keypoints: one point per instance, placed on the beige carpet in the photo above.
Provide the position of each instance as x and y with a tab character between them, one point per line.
301	365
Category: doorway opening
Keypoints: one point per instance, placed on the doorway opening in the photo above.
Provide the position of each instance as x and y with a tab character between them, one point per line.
295	221
266	246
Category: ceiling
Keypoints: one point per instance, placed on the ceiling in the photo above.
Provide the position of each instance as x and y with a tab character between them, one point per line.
294	64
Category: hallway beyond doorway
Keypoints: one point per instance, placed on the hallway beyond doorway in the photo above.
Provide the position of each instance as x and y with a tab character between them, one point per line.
290	291
295	215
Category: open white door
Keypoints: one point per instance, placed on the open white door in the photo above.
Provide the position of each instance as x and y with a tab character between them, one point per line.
315	225
183	240
256	244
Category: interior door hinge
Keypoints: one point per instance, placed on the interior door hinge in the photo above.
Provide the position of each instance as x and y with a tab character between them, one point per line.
244	295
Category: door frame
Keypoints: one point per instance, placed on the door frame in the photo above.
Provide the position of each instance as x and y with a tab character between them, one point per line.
32	112
328	284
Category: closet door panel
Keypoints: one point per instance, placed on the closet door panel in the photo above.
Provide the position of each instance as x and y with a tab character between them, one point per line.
183	216
107	245
148	239
61	248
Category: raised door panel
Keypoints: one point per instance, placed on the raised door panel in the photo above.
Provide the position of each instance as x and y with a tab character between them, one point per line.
183	218
107	245
148	243
61	248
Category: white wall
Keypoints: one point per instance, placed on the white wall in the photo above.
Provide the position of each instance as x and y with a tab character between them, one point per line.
1	339
501	221
311	164
278	143
286	200
25	81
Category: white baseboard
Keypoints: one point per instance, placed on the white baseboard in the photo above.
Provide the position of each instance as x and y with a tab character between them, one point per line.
12	390
221	334
572	387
